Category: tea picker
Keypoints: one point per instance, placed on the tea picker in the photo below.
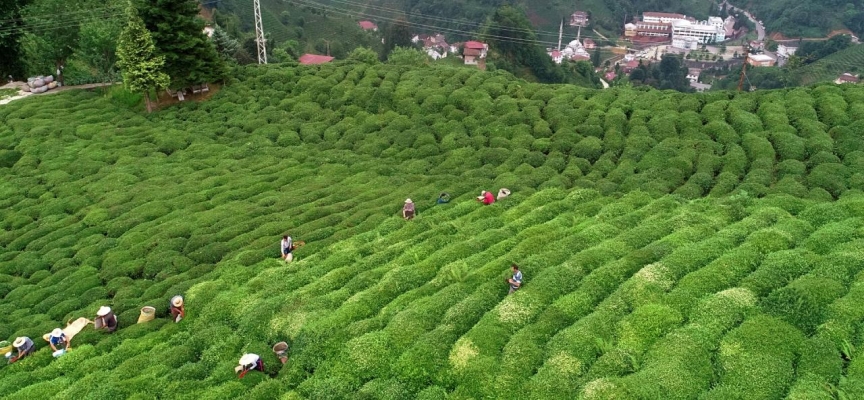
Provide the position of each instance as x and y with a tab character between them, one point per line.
58	342
516	281
25	347
408	210
178	311
249	362
443	198
105	319
287	246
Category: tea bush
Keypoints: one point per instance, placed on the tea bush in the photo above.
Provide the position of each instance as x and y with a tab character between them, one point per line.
674	246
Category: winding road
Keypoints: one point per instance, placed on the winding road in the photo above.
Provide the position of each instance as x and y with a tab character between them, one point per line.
760	29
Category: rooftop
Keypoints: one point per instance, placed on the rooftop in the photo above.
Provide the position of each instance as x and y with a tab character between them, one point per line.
367	25
761	57
663	15
473	44
312	59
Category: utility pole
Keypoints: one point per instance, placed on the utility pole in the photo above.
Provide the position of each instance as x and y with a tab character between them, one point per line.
743	71
259	34
579	34
560	33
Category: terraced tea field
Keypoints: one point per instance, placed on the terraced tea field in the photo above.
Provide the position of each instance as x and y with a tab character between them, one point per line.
704	246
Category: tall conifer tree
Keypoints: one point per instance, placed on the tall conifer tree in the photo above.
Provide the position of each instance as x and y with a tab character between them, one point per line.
178	32
141	67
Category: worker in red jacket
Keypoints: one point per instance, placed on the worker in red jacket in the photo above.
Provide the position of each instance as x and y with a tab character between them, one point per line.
486	197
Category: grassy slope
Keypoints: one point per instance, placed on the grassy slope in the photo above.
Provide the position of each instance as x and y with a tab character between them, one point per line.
630	291
828	68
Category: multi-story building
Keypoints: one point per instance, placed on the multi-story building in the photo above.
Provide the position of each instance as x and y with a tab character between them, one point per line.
710	31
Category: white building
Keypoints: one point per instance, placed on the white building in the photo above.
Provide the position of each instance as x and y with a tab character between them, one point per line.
710	31
785	51
665	18
685	42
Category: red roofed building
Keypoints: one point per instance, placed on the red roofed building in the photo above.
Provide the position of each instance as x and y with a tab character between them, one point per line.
846	78
368	25
313	59
474	51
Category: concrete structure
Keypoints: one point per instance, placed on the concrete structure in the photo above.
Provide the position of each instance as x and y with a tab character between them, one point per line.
368	26
700	87
846	78
313	59
579	18
785	51
686	43
760	60
710	31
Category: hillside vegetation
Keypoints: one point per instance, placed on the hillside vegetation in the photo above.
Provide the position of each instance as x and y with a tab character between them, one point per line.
674	246
827	69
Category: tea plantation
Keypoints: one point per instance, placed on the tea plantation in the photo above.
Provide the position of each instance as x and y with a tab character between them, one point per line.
674	246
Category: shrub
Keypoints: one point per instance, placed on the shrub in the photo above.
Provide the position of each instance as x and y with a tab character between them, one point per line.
804	302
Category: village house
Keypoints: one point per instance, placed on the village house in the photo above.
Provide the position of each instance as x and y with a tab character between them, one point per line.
846	78
589	44
760	60
629	66
368	26
756	45
785	51
435	45
579	18
314	59
693	74
474	51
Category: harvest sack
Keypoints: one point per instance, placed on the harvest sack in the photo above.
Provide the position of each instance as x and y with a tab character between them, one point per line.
147	314
504	192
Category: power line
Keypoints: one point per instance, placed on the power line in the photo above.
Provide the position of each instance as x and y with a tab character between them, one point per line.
311	3
447	20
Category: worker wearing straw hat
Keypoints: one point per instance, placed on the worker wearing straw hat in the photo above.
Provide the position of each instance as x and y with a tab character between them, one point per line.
25	347
58	340
178	311
408	210
105	319
249	362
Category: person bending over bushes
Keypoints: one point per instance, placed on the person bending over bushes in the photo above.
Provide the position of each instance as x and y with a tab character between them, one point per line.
516	281
248	363
105	319
287	247
58	341
178	312
408	210
486	197
25	347
443	198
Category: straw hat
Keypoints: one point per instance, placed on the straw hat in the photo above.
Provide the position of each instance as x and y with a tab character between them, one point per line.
408	201
248	359
103	311
177	301
57	332
19	341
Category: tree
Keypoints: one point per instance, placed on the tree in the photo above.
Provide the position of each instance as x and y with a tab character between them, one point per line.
47	48
10	35
512	40
398	34
595	57
190	57
142	68
97	47
408	56
226	46
364	55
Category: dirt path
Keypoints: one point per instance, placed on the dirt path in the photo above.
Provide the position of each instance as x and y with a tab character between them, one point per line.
22	94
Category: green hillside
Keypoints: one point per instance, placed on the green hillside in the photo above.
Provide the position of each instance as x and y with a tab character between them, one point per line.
815	18
828	68
674	246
